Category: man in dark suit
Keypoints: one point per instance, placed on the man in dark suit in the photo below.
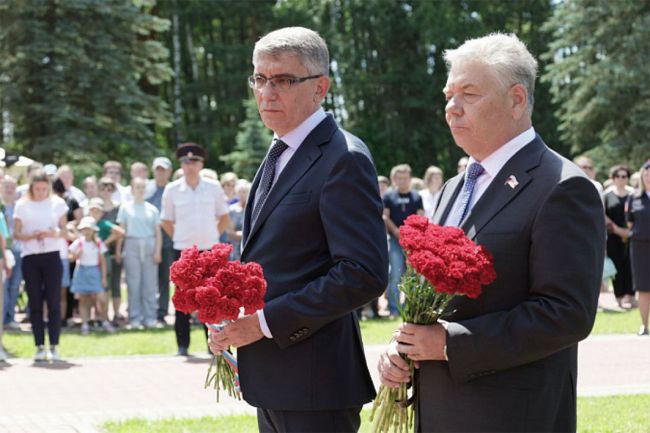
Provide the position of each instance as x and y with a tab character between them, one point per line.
314	223
507	361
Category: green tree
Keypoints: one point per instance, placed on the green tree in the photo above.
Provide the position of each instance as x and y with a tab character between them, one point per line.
599	77
252	143
212	44
388	71
78	78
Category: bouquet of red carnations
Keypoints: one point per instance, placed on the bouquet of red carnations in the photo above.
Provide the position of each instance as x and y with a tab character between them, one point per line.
207	282
442	262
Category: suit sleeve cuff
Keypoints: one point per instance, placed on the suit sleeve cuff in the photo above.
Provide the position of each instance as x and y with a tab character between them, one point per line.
263	325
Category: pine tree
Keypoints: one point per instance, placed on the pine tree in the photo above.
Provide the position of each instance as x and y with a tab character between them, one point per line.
79	77
600	75
253	140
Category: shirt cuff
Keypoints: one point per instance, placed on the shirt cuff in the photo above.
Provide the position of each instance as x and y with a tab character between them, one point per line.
263	325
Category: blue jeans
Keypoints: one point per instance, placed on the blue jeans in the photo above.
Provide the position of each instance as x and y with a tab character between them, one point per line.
12	288
397	267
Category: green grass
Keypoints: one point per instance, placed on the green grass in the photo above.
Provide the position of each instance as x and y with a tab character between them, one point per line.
617	322
611	414
378	331
72	344
614	414
162	341
238	423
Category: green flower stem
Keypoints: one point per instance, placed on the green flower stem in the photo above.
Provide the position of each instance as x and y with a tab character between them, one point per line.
221	376
422	306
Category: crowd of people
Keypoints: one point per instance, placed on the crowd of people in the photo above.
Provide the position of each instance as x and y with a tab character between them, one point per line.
71	250
625	196
74	248
315	225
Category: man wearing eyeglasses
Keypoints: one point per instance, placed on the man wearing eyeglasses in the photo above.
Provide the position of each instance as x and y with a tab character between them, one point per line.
314	223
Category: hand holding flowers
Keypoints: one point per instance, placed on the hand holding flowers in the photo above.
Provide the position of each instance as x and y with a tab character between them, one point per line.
442	263
219	290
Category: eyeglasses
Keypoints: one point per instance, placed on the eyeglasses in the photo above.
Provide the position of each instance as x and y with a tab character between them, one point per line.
280	83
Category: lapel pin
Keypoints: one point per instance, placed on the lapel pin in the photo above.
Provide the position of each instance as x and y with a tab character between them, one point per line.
512	182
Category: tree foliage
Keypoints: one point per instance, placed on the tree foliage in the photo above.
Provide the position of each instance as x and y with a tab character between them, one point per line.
388	72
94	78
78	78
253	140
599	77
215	44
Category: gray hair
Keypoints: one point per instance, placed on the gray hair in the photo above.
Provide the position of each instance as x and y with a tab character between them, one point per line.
504	53
306	44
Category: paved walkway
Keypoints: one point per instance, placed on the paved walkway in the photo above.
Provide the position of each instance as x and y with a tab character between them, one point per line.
80	394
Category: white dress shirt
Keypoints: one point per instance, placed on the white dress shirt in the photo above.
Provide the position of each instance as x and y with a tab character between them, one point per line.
293	139
492	165
195	212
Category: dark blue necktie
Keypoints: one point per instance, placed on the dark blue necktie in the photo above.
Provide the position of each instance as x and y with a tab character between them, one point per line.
473	172
268	173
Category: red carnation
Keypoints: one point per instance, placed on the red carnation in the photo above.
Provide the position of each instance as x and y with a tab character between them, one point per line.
443	263
215	287
184	300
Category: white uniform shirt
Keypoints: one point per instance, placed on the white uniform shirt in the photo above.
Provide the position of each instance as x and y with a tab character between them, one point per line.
194	212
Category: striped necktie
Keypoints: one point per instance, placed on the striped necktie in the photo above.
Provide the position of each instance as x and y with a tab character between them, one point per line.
473	172
268	173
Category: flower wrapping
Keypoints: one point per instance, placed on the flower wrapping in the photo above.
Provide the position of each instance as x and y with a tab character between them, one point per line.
442	262
218	289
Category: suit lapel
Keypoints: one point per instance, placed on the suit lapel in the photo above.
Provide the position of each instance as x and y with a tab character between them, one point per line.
306	155
501	192
447	198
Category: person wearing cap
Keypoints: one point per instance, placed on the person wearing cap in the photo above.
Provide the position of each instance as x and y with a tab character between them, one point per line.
50	170
108	232
89	278
162	171
194	213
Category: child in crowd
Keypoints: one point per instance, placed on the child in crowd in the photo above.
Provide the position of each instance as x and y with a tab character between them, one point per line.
108	233
89	277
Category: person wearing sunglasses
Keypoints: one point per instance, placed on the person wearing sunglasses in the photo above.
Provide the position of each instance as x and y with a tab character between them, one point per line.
617	235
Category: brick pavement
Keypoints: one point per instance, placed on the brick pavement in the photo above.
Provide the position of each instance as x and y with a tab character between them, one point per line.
78	395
